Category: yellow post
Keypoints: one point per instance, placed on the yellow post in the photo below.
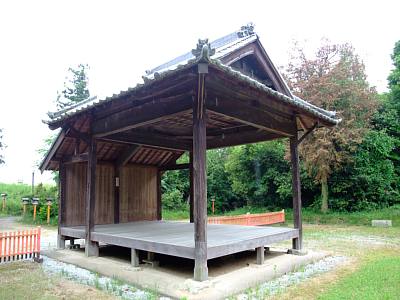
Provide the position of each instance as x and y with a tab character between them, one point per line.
34	212
4	196
48	214
25	202
35	202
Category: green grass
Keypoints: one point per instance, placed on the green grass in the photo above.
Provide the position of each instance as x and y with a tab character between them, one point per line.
175	214
346	218
27	280
14	193
309	216
376	279
184	214
14	204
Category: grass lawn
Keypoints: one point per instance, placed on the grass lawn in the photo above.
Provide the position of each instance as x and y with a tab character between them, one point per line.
309	216
377	278
26	280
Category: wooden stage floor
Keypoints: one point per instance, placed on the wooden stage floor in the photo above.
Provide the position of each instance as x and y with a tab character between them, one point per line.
177	238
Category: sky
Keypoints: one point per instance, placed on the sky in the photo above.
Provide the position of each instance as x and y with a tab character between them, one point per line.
119	40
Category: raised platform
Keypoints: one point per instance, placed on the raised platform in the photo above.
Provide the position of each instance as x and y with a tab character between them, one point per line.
177	238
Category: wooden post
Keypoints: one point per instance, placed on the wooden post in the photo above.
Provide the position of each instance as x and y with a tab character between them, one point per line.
296	192
200	181
91	248
62	176
191	186
135	257
48	214
34	212
159	204
260	255
117	181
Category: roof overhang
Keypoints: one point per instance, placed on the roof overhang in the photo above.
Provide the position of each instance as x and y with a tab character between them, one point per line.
157	113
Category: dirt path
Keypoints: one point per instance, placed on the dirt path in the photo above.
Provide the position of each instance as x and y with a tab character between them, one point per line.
28	280
48	236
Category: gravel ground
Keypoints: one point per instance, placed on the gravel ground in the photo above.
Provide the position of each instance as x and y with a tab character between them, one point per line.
120	289
278	285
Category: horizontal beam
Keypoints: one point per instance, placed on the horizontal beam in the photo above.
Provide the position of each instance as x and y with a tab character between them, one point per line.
83	157
139	116
236	139
150	139
250	115
174	167
72	132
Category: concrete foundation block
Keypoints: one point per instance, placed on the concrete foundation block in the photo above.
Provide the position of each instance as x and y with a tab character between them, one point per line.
91	248
381	223
135	258
301	252
60	242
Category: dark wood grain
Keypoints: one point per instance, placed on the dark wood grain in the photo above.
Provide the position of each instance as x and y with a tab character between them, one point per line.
296	192
200	182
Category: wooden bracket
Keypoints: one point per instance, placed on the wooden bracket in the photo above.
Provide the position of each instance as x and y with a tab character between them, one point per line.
307	133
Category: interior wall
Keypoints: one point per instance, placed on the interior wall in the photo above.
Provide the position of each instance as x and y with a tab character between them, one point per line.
138	193
75	194
104	207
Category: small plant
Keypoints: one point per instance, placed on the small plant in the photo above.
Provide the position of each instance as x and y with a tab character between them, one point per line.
96	282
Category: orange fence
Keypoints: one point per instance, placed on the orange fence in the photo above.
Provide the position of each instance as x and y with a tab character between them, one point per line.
20	245
250	219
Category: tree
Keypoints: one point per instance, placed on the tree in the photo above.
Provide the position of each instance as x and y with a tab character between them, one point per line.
1	147
259	174
369	180
75	90
388	116
75	87
334	79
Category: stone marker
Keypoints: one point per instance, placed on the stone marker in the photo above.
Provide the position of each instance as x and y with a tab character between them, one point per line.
381	223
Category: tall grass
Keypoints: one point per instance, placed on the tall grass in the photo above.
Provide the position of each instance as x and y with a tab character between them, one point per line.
15	192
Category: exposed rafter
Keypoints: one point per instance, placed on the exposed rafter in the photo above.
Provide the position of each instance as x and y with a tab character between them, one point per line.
126	155
252	116
140	116
150	139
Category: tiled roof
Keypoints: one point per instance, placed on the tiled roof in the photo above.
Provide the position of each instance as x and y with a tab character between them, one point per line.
223	46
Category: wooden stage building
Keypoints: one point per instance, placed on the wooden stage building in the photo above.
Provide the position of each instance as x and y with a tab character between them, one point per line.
111	153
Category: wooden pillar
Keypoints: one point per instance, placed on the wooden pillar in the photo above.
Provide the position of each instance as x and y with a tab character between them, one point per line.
191	186
159	195
260	255
117	180
61	204
91	248
135	257
296	192
200	182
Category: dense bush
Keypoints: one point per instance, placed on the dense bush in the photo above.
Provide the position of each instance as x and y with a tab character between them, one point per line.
369	181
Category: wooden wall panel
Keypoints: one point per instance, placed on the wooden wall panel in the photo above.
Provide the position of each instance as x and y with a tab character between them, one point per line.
138	193
75	194
76	175
104	207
